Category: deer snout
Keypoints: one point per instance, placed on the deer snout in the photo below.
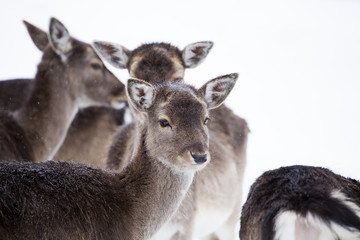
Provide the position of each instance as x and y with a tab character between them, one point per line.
199	158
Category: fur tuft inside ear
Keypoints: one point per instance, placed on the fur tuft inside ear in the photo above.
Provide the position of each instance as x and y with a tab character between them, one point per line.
113	53
216	90
141	94
38	36
193	54
60	38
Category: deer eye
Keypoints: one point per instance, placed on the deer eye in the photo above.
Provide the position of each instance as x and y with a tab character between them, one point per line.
164	123
207	120
95	66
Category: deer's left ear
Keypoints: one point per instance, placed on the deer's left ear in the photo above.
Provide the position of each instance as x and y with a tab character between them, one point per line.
216	90
38	36
193	54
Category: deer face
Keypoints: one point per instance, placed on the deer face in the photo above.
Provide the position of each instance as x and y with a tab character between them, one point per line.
94	83
177	116
156	62
98	86
178	127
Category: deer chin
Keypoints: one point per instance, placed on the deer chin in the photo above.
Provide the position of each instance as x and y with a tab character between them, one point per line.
85	102
118	104
179	166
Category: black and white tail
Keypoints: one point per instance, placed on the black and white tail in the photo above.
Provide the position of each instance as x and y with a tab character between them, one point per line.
302	203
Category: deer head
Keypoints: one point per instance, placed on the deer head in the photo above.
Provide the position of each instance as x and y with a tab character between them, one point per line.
177	116
84	70
155	62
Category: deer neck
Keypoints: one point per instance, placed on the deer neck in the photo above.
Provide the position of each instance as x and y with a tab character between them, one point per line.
153	190
47	113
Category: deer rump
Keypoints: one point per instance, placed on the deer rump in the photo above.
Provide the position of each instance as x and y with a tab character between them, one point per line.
302	203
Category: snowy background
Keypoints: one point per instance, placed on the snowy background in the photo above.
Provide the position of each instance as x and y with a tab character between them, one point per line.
299	62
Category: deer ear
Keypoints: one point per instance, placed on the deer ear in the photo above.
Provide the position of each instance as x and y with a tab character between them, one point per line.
113	53
216	90
193	54
60	39
140	94
38	36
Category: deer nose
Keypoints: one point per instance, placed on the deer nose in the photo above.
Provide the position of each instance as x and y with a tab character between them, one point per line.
199	158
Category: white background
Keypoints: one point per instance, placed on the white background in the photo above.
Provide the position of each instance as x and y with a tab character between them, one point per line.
299	85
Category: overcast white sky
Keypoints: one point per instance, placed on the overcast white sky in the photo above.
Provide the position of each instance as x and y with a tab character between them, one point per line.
299	86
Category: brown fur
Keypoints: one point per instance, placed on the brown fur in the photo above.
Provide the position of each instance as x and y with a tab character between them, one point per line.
213	190
58	91
90	135
14	144
13	93
161	55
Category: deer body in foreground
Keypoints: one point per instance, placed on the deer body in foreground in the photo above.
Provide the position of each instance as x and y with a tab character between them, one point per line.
70	76
59	200
302	203
212	205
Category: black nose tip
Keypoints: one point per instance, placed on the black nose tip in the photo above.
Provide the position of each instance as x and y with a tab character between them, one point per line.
199	158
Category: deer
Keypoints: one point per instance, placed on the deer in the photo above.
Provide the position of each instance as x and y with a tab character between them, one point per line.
68	200
212	207
302	202
70	77
90	133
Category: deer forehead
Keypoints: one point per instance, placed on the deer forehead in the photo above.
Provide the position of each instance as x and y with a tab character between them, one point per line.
83	52
181	104
158	60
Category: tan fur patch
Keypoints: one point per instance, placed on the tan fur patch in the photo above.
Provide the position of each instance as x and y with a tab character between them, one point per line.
187	159
133	65
89	49
178	68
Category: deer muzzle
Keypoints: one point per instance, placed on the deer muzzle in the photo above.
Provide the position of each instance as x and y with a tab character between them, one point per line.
199	158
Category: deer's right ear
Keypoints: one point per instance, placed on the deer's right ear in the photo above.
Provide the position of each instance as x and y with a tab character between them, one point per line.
60	39
140	94
38	36
216	90
113	53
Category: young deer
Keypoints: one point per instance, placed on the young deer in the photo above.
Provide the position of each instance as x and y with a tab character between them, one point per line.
302	203
60	200
70	76
213	205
